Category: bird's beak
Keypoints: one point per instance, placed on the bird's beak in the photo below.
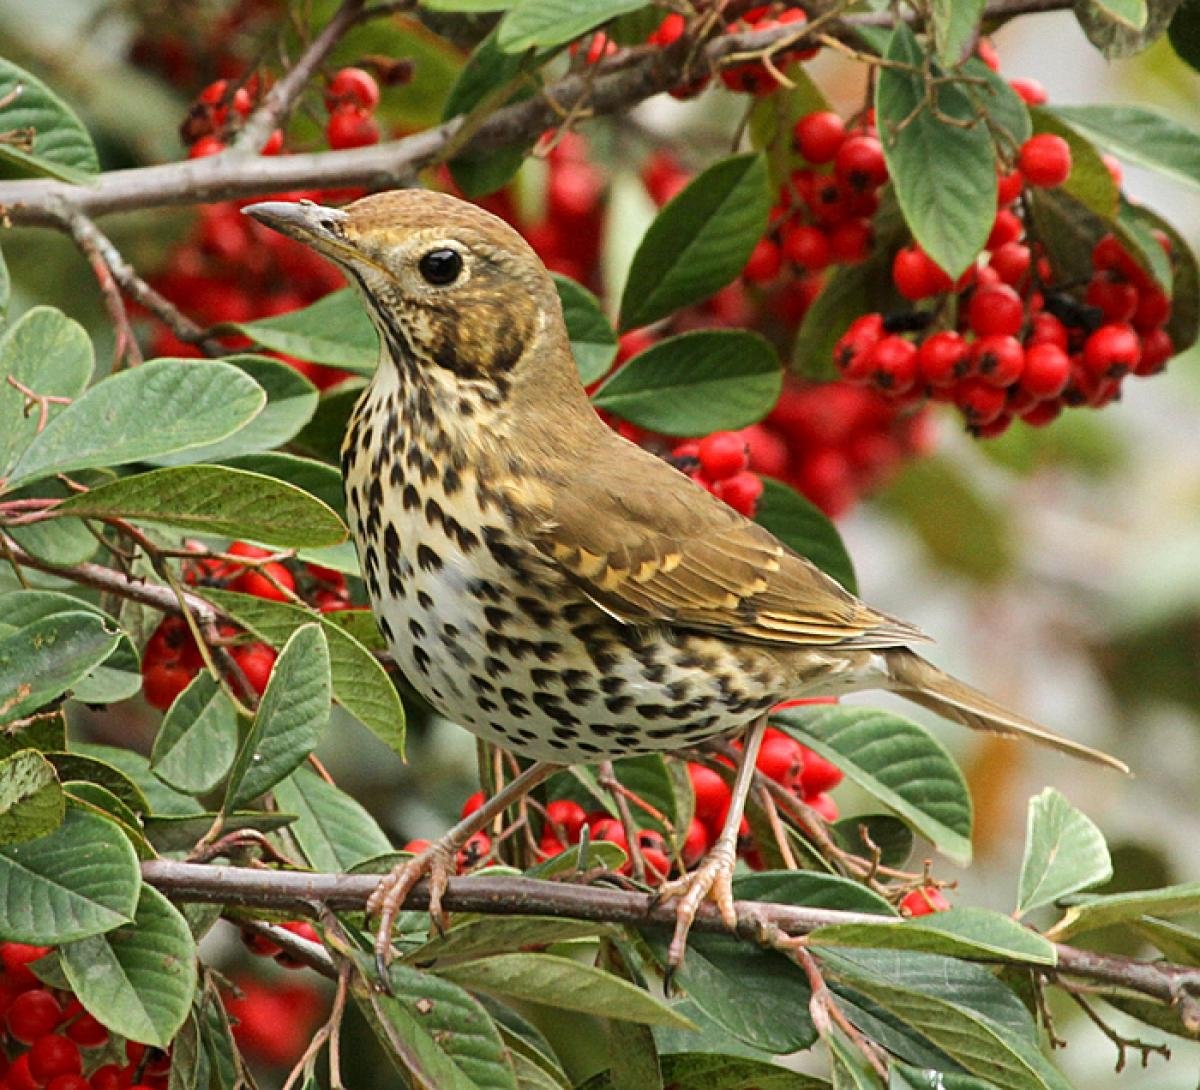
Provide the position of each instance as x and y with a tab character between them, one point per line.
313	224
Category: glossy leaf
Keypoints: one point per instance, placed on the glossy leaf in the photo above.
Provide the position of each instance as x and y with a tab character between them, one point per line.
1006	109
699	382
959	932
82	879
593	340
898	763
955	28
48	354
360	683
291	401
906	1077
43	659
290	718
1140	135
198	739
134	770
950	209
139	979
333	830
700	241
316	478
335	331
1064	852
812	890
31	800
713	1071
75	765
61	147
1121	28
562	984
159	408
1096	912
805	529
209	499
542	23
1178	944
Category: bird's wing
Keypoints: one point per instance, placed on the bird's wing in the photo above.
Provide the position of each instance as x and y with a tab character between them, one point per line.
648	545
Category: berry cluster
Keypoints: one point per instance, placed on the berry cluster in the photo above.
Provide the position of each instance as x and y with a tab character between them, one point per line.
720	463
172	658
351	97
48	1040
476	851
216	115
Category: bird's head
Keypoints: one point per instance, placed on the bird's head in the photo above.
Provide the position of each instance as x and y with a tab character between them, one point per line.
450	287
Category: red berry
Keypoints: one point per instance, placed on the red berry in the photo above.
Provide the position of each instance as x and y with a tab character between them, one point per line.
998	359
1043	413
1045	160
474	852
1007	227
52	1055
1112	351
670	30
266	582
818	136
110	1077
260	945
923	902
1113	165
1153	309
33	1014
781	759
16	957
741	492
1031	91
764	262
352	86
1008	187
472	803
1048	329
916	276
256	661
859	164
695	844
996	310
1117	299
1047	369
986	52
979	402
86	1032
711	793
722	454
416	846
817	775
274	144
1157	348
850	242
68	1082
891	365
206	146
567	815
849	354
611	830
1012	262
550	845
657	863
824	805
942	359
806	247
19	1077
350	127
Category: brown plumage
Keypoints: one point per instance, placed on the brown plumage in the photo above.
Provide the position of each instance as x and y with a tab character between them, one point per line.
551	586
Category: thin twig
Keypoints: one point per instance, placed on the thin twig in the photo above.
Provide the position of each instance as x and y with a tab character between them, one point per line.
126	346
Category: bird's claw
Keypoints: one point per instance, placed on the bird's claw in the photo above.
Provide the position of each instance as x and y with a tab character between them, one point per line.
436	861
711	881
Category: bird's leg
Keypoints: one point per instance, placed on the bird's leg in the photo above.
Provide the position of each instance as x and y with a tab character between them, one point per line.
438	861
713	878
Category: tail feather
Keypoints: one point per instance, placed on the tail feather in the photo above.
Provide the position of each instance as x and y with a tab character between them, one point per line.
923	683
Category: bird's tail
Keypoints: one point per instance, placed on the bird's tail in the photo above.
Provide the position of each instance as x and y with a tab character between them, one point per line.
923	683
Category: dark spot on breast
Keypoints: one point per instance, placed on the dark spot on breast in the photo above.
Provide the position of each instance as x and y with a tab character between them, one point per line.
424	600
496	617
451	481
427	559
421	658
495	667
417	629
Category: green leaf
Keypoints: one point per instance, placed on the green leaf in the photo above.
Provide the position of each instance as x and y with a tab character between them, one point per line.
91	796
1120	28
61	145
851	1070
117	677
335	331
80	880
316	478
48	354
468	6
599	853
31	800
290	718
484	935
46	732
1133	228
198	739
757	996
695	383
700	241
811	889
181	832
1064	852
960	1008
82	766
1176	943
333	830
805	529
951	209
774	117
563	984
45	658
543	23
593	340
291	401
955	27
1184	323
139	979
711	1071
216	500
897	762
890	835
156	409
906	1077
5	287
360	683
973	933
1140	135
1005	108
1096	912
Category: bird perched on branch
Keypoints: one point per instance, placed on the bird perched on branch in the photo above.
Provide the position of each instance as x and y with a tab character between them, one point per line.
549	585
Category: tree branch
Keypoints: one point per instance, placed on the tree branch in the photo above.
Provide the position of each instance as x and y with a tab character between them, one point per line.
609	87
302	892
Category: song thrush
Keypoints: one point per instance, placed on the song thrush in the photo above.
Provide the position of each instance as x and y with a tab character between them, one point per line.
549	585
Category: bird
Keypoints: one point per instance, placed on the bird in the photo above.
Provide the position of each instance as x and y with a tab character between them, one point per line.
549	585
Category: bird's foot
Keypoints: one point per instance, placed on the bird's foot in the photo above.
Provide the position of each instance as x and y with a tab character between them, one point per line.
712	881
438	862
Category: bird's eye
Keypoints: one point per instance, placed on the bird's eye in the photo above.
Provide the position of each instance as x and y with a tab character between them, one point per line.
441	267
